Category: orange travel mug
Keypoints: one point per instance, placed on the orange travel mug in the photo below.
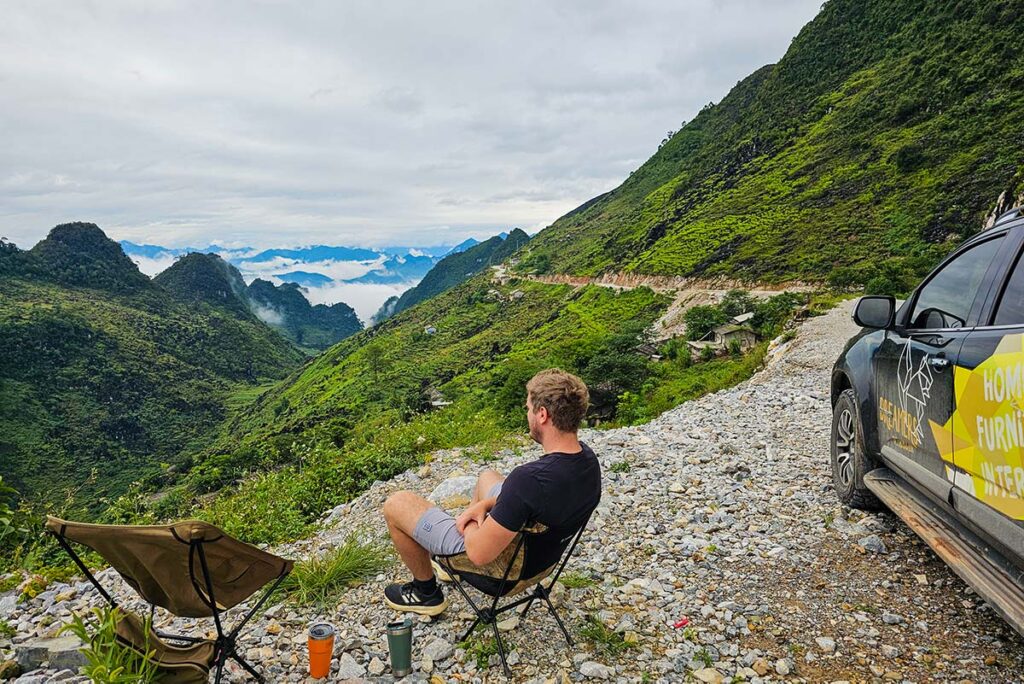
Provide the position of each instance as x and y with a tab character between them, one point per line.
321	648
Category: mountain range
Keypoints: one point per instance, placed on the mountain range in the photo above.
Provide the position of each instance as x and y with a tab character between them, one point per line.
209	279
103	370
385	265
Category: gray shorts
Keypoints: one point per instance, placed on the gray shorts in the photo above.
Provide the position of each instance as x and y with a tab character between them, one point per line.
436	531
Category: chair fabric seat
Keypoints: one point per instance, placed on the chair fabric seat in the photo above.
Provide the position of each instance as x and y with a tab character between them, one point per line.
488	578
190	568
158	562
178	664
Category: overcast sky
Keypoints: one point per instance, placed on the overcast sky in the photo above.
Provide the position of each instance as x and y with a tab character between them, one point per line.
357	123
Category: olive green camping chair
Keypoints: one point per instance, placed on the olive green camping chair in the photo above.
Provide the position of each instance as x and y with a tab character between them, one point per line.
191	569
504	577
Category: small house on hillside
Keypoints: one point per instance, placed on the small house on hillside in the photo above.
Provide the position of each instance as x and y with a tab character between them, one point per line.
430	330
435	398
649	350
723	335
742	319
697	346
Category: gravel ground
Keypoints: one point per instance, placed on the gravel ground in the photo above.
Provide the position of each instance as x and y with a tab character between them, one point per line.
719	514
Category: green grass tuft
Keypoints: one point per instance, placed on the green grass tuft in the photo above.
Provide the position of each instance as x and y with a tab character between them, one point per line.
577	580
480	649
604	640
320	580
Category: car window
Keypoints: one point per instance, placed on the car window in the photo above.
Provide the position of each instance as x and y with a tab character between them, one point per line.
1011	304
946	299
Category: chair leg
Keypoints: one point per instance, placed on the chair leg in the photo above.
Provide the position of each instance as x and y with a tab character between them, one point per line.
470	630
554	612
501	650
538	591
220	668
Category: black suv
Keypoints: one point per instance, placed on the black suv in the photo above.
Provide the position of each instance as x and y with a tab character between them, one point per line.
928	412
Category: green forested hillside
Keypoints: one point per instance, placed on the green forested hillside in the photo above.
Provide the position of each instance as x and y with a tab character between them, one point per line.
484	339
286	308
882	137
454	269
101	369
382	400
208	279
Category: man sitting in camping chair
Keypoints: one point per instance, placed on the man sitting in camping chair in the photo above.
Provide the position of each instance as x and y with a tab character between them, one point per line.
558	491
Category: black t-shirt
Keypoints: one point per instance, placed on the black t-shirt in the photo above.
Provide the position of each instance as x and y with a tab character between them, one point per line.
557	490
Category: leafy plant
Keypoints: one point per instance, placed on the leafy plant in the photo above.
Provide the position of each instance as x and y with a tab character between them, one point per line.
620	467
6	629
320	580
35	585
480	649
604	639
577	580
11	528
108	660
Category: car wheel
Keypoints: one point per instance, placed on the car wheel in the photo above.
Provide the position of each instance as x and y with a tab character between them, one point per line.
849	462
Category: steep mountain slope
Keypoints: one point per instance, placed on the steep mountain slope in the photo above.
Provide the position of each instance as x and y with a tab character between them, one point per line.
887	130
474	345
205	278
79	254
455	268
285	307
209	279
101	369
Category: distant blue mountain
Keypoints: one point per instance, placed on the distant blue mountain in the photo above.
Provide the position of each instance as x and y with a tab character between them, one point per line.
151	251
436	251
398	269
316	253
305	278
466	244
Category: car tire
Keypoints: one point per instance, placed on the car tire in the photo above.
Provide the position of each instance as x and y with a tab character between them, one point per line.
849	462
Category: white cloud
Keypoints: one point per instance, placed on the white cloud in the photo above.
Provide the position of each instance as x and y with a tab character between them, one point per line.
261	124
365	298
268	314
153	265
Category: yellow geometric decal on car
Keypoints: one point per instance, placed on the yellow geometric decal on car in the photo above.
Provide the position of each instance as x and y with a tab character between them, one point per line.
984	438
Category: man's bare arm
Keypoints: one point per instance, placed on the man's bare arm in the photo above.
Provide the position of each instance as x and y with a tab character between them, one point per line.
476	512
484	542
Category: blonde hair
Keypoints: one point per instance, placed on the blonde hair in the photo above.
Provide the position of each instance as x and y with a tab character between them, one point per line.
563	394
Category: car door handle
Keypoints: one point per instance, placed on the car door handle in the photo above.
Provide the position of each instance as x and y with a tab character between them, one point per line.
937	362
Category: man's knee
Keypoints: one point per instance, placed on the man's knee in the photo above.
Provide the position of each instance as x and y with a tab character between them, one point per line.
403	509
490	474
487	479
396	504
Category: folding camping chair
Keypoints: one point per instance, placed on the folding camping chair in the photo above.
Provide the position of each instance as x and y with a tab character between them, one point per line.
503	577
190	568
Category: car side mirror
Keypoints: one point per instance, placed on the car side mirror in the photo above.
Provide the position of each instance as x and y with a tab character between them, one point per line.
875	311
